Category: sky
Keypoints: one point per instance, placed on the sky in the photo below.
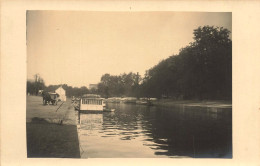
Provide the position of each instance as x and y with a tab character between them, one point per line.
77	47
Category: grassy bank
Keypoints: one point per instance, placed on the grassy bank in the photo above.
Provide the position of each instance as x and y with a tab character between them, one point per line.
192	103
52	140
51	132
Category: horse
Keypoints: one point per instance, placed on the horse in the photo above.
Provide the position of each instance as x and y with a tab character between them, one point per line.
46	98
50	98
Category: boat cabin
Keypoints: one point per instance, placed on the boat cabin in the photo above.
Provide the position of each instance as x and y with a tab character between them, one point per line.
91	103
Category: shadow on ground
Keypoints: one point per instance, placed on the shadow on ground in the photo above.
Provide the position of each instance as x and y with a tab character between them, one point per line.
48	140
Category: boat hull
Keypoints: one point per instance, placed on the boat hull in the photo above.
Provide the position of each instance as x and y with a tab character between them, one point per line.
90	111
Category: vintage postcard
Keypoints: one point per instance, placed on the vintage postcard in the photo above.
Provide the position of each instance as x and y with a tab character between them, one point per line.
142	82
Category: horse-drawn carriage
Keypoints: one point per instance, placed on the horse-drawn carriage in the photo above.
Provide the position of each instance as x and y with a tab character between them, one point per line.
50	98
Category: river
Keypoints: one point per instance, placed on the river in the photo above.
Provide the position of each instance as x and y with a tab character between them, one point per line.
138	131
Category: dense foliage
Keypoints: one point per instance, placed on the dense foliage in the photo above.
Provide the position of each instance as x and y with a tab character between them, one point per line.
35	85
202	70
122	85
70	91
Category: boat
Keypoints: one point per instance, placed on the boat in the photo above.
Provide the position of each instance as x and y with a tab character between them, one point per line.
91	103
142	102
131	100
108	110
145	101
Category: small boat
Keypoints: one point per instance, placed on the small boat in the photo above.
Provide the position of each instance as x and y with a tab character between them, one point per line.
131	100
108	110
141	102
144	101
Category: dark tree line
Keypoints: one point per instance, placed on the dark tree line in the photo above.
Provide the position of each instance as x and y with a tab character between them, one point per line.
70	91
35	85
119	86
33	88
202	70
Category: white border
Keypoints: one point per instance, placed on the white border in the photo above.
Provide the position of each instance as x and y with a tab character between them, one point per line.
246	91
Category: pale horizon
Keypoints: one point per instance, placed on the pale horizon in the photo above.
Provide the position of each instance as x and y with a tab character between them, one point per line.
77	47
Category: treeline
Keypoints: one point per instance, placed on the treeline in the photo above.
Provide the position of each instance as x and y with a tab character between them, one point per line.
119	86
202	70
70	91
34	87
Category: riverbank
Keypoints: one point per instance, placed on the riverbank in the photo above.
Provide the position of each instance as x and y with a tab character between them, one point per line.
51	131
192	103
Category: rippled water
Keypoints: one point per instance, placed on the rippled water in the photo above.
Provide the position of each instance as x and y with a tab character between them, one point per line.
143	132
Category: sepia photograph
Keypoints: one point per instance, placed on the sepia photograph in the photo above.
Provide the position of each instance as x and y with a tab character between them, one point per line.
128	84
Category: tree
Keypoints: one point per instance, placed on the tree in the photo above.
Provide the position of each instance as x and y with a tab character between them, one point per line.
33	87
125	84
213	50
202	70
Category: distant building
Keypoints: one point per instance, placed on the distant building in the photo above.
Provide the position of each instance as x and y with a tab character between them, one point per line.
93	86
62	93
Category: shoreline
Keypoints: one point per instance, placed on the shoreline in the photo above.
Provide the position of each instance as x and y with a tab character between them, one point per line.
193	103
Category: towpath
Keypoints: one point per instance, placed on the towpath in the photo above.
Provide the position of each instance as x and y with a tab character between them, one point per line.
51	132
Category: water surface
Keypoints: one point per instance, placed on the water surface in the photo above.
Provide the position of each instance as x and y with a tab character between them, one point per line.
139	131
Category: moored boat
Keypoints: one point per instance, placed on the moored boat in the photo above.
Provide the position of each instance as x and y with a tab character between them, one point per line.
91	102
145	101
108	110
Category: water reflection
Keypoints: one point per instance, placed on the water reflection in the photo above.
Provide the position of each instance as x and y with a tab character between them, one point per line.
141	131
